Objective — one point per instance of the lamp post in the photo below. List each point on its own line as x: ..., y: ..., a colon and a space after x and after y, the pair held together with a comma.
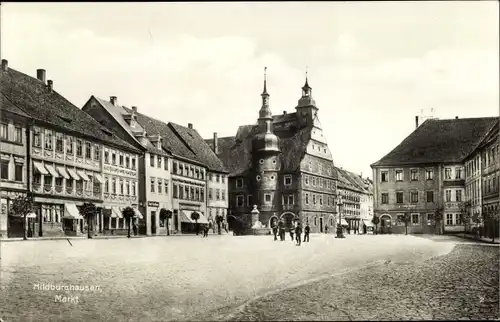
x: 340, y: 231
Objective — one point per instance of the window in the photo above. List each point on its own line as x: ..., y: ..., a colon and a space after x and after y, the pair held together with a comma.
x: 4, y: 131
x: 458, y: 221
x: 239, y: 183
x: 306, y: 179
x: 36, y: 137
x: 113, y: 158
x: 106, y: 184
x: 121, y: 187
x: 288, y: 200
x: 197, y: 193
x: 127, y: 162
x: 272, y: 178
x: 267, y: 197
x: 186, y: 192
x: 239, y: 201
x: 447, y: 173
x: 202, y: 194
x: 307, y: 198
x: 79, y: 148
x: 191, y: 195
x: 429, y: 174
x: 165, y: 164
x: 415, y: 219
x: 160, y: 184
x: 314, y: 181
x: 399, y: 197
x: 113, y: 185
x: 458, y: 173
x: 159, y: 161
x: 4, y: 169
x: 320, y: 200
x: 181, y: 191
x: 133, y: 163
x: 430, y: 196
x: 121, y: 160
x: 166, y: 186
x: 414, y: 196
x: 127, y: 185
x: 97, y: 152
x: 314, y: 199
x: 414, y: 174
x: 48, y: 139
x: 175, y: 192
x: 152, y: 184
x: 385, y: 198
x: 152, y: 160
x: 175, y: 167
x: 261, y: 161
x: 223, y: 194
x: 217, y: 194
x: 217, y: 178
x: 210, y: 193
x: 384, y: 176
x: 399, y: 175
x: 249, y: 200
x: 202, y: 173
x: 88, y: 150
x: 18, y: 134
x: 18, y: 173
x: 106, y: 157
x: 223, y: 178
x: 448, y: 195
x: 288, y: 180
x: 430, y: 218
x: 449, y: 219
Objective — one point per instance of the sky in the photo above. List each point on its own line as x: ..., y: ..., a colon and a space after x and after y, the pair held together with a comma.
x: 372, y: 66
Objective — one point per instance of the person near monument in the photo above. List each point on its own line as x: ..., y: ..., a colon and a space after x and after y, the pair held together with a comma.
x: 307, y: 229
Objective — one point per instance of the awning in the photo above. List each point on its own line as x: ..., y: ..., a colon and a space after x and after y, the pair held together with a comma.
x: 116, y: 212
x: 83, y: 175
x: 73, y: 174
x: 186, y: 217
x: 63, y: 172
x: 138, y: 213
x: 52, y: 171
x: 31, y: 215
x: 98, y: 178
x: 70, y: 211
x: 40, y: 168
x: 344, y: 222
x: 368, y: 223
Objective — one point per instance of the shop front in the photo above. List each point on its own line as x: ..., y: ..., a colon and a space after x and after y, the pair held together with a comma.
x: 188, y: 224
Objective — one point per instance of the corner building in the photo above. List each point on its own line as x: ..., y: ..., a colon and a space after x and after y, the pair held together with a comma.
x: 282, y: 165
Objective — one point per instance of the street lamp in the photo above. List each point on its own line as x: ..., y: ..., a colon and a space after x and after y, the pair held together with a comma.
x: 340, y: 231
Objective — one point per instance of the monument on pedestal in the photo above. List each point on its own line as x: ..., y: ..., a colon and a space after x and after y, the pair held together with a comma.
x: 257, y: 227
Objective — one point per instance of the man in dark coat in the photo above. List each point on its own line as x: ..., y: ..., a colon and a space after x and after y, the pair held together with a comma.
x: 275, y: 231
x: 291, y: 231
x: 326, y: 229
x: 307, y: 229
x: 281, y: 229
x: 298, y: 233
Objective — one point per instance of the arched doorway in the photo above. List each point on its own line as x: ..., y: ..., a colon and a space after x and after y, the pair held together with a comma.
x: 273, y: 222
x: 385, y: 224
x: 288, y: 218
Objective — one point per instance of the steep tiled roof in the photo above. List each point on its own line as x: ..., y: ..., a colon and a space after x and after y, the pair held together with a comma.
x: 8, y: 106
x: 346, y: 180
x: 235, y: 152
x: 32, y: 97
x: 437, y: 141
x: 181, y: 141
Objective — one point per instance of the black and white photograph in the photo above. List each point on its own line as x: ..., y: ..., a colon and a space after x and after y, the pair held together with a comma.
x: 249, y: 161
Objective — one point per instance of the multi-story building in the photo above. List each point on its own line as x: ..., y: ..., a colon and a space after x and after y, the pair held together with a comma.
x: 172, y: 169
x: 13, y: 161
x: 217, y: 199
x: 351, y: 192
x: 64, y: 150
x: 283, y: 166
x: 423, y: 177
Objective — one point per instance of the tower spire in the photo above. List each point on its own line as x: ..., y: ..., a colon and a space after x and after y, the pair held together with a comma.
x: 306, y: 85
x: 265, y: 81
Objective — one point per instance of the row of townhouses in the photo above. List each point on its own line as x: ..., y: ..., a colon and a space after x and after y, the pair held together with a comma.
x: 283, y: 166
x: 62, y: 156
x: 444, y: 177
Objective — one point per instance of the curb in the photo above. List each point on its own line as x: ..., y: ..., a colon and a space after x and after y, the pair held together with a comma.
x: 11, y: 240
x: 496, y: 242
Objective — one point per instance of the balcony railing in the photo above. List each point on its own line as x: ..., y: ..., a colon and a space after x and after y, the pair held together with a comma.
x: 79, y: 192
x: 47, y: 188
x: 97, y: 193
x: 69, y: 190
x: 37, y: 187
x: 288, y: 207
x: 59, y: 189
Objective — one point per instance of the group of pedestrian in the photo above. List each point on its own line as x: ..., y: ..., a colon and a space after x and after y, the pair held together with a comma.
x: 211, y: 225
x: 295, y: 232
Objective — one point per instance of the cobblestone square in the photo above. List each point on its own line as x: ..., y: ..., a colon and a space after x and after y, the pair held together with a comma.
x: 249, y: 278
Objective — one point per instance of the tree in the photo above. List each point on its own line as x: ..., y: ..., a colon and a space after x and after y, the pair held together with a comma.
x: 89, y: 211
x: 195, y: 216
x: 219, y: 219
x: 22, y: 206
x: 128, y: 213
x: 438, y: 218
x: 166, y: 215
x: 406, y: 220
x: 375, y: 221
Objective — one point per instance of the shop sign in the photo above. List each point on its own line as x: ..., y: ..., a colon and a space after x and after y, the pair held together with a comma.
x: 153, y: 204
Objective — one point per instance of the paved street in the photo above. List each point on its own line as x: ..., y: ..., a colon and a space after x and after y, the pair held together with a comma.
x: 158, y: 279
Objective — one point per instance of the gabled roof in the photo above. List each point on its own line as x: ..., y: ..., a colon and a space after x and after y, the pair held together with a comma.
x: 32, y: 97
x: 348, y: 180
x: 492, y: 136
x: 7, y: 106
x: 440, y: 141
x: 181, y: 141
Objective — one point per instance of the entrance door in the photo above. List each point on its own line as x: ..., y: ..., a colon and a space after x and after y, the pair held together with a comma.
x: 153, y: 222
x: 321, y: 224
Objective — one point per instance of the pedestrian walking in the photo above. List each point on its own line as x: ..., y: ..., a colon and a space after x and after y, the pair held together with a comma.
x: 206, y: 228
x: 281, y: 229
x: 275, y: 232
x: 307, y: 229
x: 326, y: 229
x: 349, y: 230
x: 298, y: 234
x: 291, y: 233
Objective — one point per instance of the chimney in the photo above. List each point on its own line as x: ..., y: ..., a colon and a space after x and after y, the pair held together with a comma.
x: 190, y: 125
x: 113, y: 100
x: 284, y: 112
x: 134, y: 109
x: 456, y: 117
x: 50, y: 85
x: 416, y: 121
x: 40, y: 74
x: 5, y: 65
x: 216, y: 143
